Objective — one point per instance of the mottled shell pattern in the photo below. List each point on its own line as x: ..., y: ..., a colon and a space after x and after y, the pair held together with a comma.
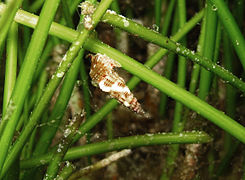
x: 103, y: 75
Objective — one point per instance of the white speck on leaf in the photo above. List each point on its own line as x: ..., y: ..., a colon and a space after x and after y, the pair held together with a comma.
x: 59, y: 75
x: 125, y: 23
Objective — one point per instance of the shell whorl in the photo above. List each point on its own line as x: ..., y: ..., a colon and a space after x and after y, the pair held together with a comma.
x: 103, y: 75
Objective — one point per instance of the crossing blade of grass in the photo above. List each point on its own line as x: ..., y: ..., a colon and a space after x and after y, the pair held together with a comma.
x: 67, y: 14
x: 11, y: 65
x: 68, y: 169
x: 28, y: 148
x: 231, y: 28
x: 167, y: 18
x: 115, y: 6
x: 36, y: 5
x: 178, y: 121
x: 181, y: 79
x: 158, y: 12
x: 122, y: 143
x: 86, y: 95
x: 59, y: 107
x: 10, y: 72
x: 25, y: 76
x: 7, y: 18
x: 230, y: 145
x: 85, y: 86
x: 43, y: 59
x: 170, y: 61
x: 62, y: 148
x: 206, y: 78
x: 196, y: 67
x: 208, y: 51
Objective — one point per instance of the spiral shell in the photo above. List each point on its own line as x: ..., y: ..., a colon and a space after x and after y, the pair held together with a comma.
x: 103, y: 75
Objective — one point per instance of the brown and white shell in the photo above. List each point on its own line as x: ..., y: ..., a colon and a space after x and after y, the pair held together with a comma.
x: 103, y: 75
